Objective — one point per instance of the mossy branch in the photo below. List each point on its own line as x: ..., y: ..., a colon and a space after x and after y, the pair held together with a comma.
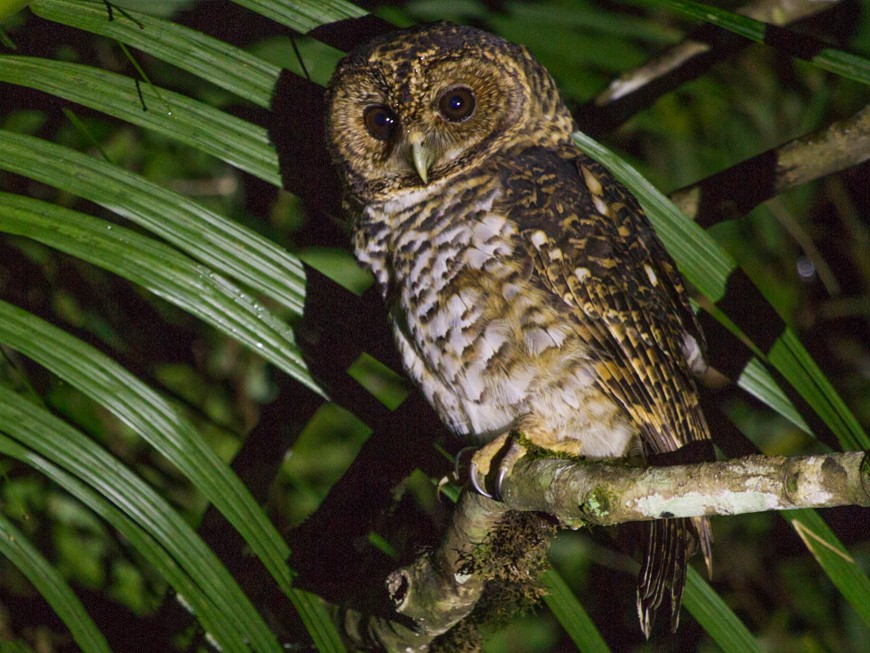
x: 735, y: 191
x: 436, y: 591
x: 602, y: 494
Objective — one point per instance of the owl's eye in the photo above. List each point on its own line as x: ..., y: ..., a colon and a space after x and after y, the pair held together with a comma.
x: 380, y: 122
x: 456, y: 104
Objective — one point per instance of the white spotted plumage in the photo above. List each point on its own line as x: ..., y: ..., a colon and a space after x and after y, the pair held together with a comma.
x: 481, y: 351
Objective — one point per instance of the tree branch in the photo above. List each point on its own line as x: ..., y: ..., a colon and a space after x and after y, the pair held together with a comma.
x: 703, y: 47
x: 601, y: 494
x: 436, y: 591
x: 735, y: 191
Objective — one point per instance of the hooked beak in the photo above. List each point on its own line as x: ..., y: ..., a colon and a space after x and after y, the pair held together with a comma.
x: 421, y: 155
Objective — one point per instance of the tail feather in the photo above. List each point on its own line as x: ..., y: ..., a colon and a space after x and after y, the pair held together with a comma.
x: 670, y: 543
x: 704, y: 533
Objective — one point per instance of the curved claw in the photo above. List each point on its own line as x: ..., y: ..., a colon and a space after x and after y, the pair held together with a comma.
x: 502, y: 452
x: 442, y: 483
x: 472, y: 473
x: 499, y: 479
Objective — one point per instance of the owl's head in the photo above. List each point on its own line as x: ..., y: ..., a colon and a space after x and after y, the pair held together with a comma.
x: 420, y: 105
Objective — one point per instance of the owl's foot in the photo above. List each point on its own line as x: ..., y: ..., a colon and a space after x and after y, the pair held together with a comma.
x: 497, y: 456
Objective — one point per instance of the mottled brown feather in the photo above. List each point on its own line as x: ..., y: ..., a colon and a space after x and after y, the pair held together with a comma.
x: 638, y: 329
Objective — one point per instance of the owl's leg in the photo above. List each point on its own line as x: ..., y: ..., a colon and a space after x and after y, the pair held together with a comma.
x: 497, y: 455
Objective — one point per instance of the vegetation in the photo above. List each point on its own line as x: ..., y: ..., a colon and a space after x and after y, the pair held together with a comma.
x: 183, y: 403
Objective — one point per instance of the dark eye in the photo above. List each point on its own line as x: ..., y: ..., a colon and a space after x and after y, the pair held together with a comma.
x: 457, y: 103
x: 380, y: 122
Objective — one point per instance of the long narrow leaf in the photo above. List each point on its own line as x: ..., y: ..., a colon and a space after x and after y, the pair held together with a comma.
x: 317, y: 620
x: 166, y: 430
x: 790, y: 357
x: 224, y: 246
x: 238, y: 72
x: 229, y: 67
x: 300, y: 15
x: 217, y: 622
x: 160, y: 269
x: 303, y: 15
x: 826, y: 548
x: 572, y: 615
x: 715, y: 617
x: 15, y: 546
x: 67, y: 447
x: 16, y: 647
x: 9, y: 7
x: 213, y: 60
x: 205, y: 128
x: 836, y: 61
x: 143, y: 410
x: 758, y: 382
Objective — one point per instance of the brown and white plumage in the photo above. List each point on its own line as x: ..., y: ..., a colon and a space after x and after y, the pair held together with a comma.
x: 526, y: 289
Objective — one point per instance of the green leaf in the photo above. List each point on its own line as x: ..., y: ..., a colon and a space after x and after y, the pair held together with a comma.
x: 588, y: 20
x: 758, y: 382
x: 10, y: 7
x: 49, y: 583
x: 836, y: 61
x: 162, y: 270
x: 143, y: 410
x: 829, y: 552
x: 317, y: 620
x: 207, y: 56
x: 220, y: 63
x: 303, y: 15
x: 572, y: 615
x: 147, y: 413
x: 69, y: 449
x: 205, y: 128
x: 794, y: 363
x: 223, y: 245
x: 15, y: 647
x: 715, y: 617
x: 229, y: 67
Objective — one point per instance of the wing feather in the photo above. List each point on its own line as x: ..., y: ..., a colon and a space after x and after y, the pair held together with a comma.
x: 611, y: 271
x: 591, y: 246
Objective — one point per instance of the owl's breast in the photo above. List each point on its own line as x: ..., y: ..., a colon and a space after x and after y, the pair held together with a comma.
x: 486, y: 346
x: 451, y: 319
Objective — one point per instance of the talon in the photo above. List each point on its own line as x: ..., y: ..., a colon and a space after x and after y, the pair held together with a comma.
x: 509, y: 456
x: 499, y: 479
x: 463, y: 457
x: 496, y: 457
x: 472, y: 473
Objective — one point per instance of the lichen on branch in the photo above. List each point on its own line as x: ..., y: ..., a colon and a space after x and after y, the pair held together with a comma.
x: 442, y: 587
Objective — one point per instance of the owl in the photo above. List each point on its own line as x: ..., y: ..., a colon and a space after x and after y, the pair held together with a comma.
x: 528, y: 295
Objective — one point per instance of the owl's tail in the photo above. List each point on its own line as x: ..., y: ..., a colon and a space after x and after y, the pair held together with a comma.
x: 671, y: 542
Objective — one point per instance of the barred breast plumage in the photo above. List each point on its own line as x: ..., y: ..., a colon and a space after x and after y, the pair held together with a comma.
x: 527, y: 292
x: 480, y: 339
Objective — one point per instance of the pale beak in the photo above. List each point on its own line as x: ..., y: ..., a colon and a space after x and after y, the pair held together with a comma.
x: 421, y: 155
